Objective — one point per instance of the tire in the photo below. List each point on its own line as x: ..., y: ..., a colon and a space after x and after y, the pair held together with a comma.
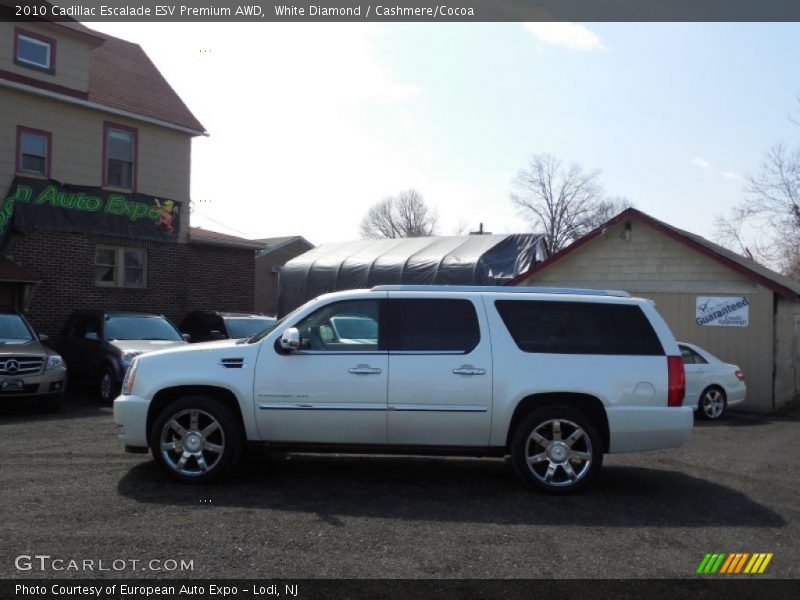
x: 562, y: 468
x: 712, y: 403
x: 51, y: 402
x: 107, y: 386
x: 196, y: 439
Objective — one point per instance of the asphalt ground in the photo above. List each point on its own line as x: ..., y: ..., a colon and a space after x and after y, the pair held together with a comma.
x: 68, y: 491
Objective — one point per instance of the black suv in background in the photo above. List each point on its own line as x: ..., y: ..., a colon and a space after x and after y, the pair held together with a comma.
x: 210, y: 325
x: 98, y: 345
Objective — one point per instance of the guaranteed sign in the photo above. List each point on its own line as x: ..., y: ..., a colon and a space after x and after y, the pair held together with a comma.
x: 722, y: 311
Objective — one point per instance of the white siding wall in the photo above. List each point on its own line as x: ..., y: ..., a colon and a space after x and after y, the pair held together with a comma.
x: 72, y: 57
x: 787, y: 351
x: 164, y: 155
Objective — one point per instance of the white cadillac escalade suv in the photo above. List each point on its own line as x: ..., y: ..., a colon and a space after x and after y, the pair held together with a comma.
x: 555, y: 378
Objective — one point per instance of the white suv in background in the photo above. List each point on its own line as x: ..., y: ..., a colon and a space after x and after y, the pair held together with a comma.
x: 554, y: 377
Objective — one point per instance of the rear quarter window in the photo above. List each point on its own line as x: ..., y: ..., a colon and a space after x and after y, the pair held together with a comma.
x: 579, y: 328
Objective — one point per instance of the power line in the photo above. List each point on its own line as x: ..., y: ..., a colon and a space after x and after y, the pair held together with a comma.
x: 198, y: 213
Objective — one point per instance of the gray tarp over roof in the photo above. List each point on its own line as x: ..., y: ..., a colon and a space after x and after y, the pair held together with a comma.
x: 452, y: 260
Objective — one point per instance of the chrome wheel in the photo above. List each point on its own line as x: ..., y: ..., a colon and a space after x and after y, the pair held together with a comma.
x: 192, y: 442
x: 558, y: 453
x: 712, y: 403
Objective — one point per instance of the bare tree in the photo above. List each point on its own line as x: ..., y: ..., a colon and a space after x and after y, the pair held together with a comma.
x: 770, y: 214
x: 562, y: 202
x: 462, y: 228
x: 401, y: 216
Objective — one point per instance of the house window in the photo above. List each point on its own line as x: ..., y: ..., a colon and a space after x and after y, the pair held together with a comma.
x: 120, y: 267
x: 34, y: 51
x: 33, y: 151
x: 119, y: 151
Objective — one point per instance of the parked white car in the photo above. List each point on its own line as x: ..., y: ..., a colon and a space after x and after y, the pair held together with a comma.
x: 555, y: 378
x: 711, y: 384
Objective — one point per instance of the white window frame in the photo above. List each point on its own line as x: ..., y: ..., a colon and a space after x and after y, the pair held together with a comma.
x: 48, y: 45
x: 119, y: 267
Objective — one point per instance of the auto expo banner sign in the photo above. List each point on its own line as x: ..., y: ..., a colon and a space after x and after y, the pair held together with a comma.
x: 722, y: 311
x: 48, y: 204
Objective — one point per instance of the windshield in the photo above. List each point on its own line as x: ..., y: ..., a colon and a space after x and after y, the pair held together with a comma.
x: 141, y: 328
x: 242, y: 328
x: 13, y: 330
x: 355, y: 328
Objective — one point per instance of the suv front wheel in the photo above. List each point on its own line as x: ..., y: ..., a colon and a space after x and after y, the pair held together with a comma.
x: 196, y: 439
x: 107, y: 385
x: 556, y: 449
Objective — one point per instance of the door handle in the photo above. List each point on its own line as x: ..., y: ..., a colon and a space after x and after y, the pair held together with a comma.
x: 364, y: 370
x: 469, y: 371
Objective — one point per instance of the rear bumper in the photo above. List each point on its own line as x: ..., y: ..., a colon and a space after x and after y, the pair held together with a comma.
x: 130, y: 417
x: 736, y: 394
x: 638, y: 428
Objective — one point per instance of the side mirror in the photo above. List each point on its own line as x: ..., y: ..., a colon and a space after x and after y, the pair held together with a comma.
x: 187, y: 337
x: 92, y: 335
x: 290, y: 339
x: 43, y: 337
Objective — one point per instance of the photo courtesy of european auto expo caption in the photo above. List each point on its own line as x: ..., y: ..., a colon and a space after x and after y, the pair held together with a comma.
x: 151, y: 590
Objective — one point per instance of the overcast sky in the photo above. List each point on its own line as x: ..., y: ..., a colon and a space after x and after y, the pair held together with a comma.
x: 312, y: 123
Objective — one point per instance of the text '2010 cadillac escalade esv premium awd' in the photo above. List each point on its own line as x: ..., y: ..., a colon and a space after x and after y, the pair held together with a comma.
x: 555, y: 378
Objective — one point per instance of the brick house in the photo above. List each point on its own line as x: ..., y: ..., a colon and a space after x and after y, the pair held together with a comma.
x: 95, y: 155
x: 223, y: 269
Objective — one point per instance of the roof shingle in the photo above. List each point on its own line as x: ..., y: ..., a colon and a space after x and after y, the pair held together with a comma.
x: 12, y: 272
x: 122, y: 76
x: 206, y: 236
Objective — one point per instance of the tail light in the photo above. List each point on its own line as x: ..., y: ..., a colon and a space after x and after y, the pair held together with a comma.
x: 677, y: 381
x: 739, y: 374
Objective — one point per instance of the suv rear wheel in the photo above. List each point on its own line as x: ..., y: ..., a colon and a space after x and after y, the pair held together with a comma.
x: 556, y: 449
x: 196, y: 439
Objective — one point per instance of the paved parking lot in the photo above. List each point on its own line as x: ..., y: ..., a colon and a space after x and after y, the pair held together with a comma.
x: 67, y: 490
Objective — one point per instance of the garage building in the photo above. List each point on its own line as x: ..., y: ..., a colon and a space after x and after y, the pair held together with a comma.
x: 738, y: 310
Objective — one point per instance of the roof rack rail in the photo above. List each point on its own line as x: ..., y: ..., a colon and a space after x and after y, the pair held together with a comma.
x: 514, y: 289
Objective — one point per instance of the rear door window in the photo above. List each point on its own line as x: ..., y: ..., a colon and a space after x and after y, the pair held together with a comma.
x: 433, y: 325
x: 579, y: 328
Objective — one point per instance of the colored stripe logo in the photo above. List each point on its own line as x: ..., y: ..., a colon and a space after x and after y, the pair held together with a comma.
x: 737, y: 562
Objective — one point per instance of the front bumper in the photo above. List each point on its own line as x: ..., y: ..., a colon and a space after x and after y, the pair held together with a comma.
x: 46, y: 383
x: 638, y: 428
x: 130, y: 417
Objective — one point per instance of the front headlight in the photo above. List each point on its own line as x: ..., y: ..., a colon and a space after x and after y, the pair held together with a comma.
x: 54, y: 361
x: 127, y: 357
x: 130, y: 377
